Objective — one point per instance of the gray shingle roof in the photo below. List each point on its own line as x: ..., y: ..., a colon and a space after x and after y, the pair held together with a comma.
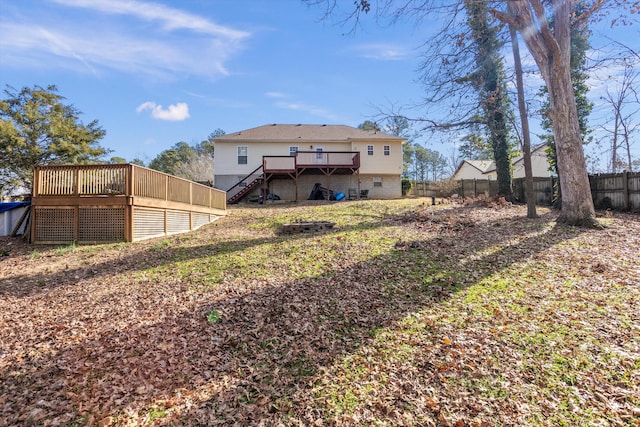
x: 285, y: 132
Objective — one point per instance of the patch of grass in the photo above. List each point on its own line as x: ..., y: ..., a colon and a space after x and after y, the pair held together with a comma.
x: 62, y: 250
x: 155, y: 414
x: 309, y: 256
x: 163, y: 244
x: 214, y: 316
x: 301, y: 367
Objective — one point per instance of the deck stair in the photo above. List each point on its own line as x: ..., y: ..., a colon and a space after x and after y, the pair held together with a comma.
x: 239, y: 195
x: 246, y: 190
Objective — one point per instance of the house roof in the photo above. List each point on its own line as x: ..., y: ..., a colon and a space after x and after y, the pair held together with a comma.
x: 533, y: 150
x: 305, y: 132
x: 483, y: 166
x: 488, y: 166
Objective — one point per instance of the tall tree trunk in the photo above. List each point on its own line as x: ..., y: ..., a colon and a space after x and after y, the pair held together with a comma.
x: 526, y: 136
x: 551, y: 51
x: 626, y: 140
x: 614, y: 147
x: 489, y: 81
x: 577, y: 202
x: 501, y: 153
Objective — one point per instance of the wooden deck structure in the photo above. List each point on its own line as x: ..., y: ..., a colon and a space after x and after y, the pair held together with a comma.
x: 325, y: 163
x: 116, y: 203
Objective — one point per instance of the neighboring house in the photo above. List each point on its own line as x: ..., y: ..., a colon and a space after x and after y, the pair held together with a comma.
x: 486, y: 169
x: 476, y: 169
x: 290, y: 160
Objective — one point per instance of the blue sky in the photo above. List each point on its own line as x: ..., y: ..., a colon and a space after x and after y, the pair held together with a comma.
x: 154, y: 73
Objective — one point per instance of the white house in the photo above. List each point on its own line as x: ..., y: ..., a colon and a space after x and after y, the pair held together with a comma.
x: 476, y: 169
x: 291, y: 160
x: 486, y: 169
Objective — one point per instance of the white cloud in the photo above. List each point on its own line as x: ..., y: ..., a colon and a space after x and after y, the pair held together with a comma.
x: 172, y: 19
x: 176, y: 112
x: 133, y: 37
x: 307, y: 108
x: 286, y: 102
x: 384, y: 51
x: 275, y: 95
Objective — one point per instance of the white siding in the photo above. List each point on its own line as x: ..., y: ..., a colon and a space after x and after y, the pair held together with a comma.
x: 539, y: 165
x: 379, y: 163
x: 467, y: 171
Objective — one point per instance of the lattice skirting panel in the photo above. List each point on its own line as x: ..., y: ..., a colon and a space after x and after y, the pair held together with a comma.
x: 101, y: 225
x: 66, y: 225
x: 54, y: 225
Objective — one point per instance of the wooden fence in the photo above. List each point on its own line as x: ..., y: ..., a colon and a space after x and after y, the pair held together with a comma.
x: 619, y: 191
x: 110, y: 203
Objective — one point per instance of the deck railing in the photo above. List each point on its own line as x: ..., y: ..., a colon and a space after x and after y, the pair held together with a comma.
x: 348, y: 159
x: 79, y: 181
x: 279, y: 163
x: 312, y: 159
x: 122, y: 180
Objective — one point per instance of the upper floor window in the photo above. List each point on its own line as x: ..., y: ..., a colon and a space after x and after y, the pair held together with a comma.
x: 293, y: 151
x: 242, y: 155
x: 387, y: 150
x: 370, y: 150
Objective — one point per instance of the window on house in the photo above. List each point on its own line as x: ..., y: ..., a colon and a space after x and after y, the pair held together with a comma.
x: 293, y: 151
x: 377, y: 181
x: 242, y: 155
x: 370, y: 150
x: 387, y: 150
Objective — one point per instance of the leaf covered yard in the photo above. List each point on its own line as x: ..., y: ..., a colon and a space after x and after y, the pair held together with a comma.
x: 402, y: 314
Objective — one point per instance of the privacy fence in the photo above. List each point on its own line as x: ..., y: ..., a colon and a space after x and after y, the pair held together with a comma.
x: 113, y: 203
x: 619, y: 191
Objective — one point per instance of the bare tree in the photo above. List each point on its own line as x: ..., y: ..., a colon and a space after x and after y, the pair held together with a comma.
x: 524, y: 120
x: 625, y: 106
x: 454, y: 158
x: 198, y: 167
x: 550, y: 48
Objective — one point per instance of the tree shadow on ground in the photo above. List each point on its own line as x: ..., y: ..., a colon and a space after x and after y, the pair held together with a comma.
x: 161, y: 251
x: 166, y: 250
x: 255, y: 364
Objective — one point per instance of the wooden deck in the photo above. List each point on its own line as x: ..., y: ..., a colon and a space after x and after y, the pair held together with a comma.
x: 292, y: 167
x: 111, y: 203
x: 320, y: 162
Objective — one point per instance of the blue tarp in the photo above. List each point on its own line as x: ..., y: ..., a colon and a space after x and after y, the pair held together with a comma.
x: 7, y: 206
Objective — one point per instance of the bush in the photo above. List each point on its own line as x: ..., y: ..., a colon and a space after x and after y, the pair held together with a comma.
x: 406, y: 186
x: 447, y: 187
